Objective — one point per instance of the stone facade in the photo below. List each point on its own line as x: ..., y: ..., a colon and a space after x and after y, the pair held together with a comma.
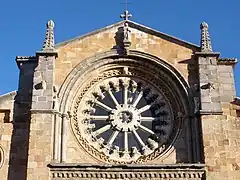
x: 43, y: 129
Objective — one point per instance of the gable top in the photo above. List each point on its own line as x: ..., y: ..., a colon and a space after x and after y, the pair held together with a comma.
x: 8, y: 96
x: 138, y: 27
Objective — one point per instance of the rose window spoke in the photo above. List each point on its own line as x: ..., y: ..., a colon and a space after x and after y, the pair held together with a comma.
x: 112, y: 138
x: 138, y: 138
x: 113, y: 98
x: 143, y: 109
x: 138, y: 99
x: 125, y: 141
x: 101, y: 130
x: 98, y: 117
x: 146, y: 129
x: 148, y: 118
x: 102, y: 105
x: 125, y: 95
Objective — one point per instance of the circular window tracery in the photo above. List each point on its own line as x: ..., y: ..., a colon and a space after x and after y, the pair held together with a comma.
x: 90, y: 83
x: 126, y: 118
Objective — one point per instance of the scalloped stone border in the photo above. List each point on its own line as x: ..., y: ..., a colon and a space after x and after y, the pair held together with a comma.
x: 153, y: 172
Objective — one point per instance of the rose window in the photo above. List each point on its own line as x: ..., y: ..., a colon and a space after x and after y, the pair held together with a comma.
x: 125, y: 118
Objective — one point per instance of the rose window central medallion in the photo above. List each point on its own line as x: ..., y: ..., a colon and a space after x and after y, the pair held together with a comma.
x: 125, y: 118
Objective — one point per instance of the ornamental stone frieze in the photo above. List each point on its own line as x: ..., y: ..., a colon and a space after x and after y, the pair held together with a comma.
x: 136, y: 172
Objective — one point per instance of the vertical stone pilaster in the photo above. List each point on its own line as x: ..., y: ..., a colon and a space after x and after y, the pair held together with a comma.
x: 40, y: 145
x: 44, y: 77
x: 210, y: 101
x: 43, y: 81
x: 55, y: 134
x: 227, y: 88
x: 63, y: 157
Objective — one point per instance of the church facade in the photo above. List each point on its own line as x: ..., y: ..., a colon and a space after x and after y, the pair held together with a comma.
x: 122, y: 102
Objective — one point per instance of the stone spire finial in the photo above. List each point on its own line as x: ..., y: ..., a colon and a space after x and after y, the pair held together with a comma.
x: 49, y: 39
x: 206, y: 45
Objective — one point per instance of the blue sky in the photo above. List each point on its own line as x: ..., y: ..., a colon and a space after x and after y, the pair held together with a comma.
x: 23, y: 25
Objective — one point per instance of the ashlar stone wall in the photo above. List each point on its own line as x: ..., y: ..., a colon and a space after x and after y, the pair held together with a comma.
x: 6, y: 129
x: 73, y: 52
x: 221, y: 132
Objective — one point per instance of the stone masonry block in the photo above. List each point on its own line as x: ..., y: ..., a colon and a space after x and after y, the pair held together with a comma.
x: 42, y: 98
x: 42, y: 105
x: 37, y: 92
x: 202, y: 60
x: 212, y: 67
x: 206, y: 99
x: 212, y: 60
x: 216, y: 99
x: 225, y: 74
x: 211, y: 106
x: 227, y: 98
x: 225, y: 69
x: 226, y: 80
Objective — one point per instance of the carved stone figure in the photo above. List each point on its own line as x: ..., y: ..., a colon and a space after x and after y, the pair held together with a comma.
x: 126, y: 33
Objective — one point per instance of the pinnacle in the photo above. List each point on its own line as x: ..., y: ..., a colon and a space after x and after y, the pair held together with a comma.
x: 50, y: 24
x: 206, y: 45
x: 204, y: 25
x: 49, y: 37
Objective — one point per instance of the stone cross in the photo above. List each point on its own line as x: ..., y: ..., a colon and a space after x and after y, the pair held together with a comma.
x: 126, y: 16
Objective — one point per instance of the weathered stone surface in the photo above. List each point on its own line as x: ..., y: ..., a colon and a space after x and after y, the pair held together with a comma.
x: 72, y: 53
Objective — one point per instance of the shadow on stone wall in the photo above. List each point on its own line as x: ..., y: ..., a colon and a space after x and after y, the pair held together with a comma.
x: 194, y: 122
x: 119, y: 41
x: 18, y: 156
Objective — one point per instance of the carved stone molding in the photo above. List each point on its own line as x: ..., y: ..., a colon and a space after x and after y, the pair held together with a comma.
x: 150, y: 172
x: 177, y: 107
x: 110, y: 64
x: 1, y: 156
x: 227, y: 61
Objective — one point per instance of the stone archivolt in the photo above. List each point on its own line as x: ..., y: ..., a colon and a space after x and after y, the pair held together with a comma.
x: 1, y: 156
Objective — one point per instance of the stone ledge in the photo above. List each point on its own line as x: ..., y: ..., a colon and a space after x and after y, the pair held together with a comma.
x: 49, y: 52
x: 210, y: 112
x: 24, y: 59
x: 154, y: 172
x: 211, y: 54
x: 227, y: 61
x: 44, y: 111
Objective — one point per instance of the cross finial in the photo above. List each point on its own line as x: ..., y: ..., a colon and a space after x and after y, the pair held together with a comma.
x: 126, y: 16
